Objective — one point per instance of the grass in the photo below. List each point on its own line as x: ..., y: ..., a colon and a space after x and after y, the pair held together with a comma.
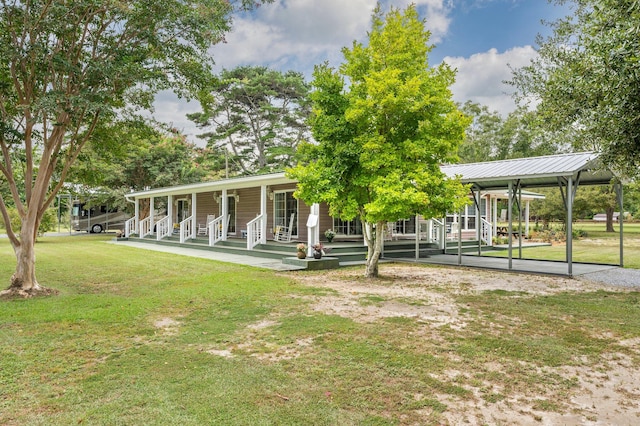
x: 95, y: 354
x: 597, y: 247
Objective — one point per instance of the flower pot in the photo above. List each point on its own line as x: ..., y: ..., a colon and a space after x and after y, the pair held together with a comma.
x: 317, y: 254
x: 302, y: 255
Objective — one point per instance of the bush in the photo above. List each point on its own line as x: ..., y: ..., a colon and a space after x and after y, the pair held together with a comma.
x: 48, y: 223
x: 579, y: 233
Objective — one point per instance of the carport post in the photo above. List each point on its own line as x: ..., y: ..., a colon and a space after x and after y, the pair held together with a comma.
x: 510, y: 226
x: 569, y: 227
x: 519, y: 221
x: 417, y: 225
x: 618, y: 188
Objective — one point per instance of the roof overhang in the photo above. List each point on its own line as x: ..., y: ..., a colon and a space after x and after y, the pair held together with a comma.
x: 218, y: 185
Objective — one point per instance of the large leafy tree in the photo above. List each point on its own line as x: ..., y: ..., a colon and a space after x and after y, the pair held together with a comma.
x: 68, y: 66
x: 382, y: 137
x: 519, y: 135
x: 587, y: 77
x: 152, y: 157
x: 259, y: 114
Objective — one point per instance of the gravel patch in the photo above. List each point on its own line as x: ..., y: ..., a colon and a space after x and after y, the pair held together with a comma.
x: 618, y: 276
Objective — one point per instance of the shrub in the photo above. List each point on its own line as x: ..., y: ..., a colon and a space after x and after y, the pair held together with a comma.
x: 48, y: 223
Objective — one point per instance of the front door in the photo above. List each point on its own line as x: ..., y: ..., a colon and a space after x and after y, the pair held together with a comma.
x: 284, y: 206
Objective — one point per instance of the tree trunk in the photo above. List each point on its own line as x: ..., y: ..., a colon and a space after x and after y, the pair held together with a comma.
x: 23, y: 281
x: 374, y: 236
x: 609, y: 211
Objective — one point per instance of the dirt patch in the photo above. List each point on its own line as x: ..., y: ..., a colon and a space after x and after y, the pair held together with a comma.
x: 167, y: 325
x: 424, y: 293
x: 605, y: 394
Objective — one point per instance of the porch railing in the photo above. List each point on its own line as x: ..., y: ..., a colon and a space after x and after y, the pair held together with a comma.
x: 216, y: 233
x: 145, y: 227
x: 186, y: 230
x: 130, y: 227
x: 254, y: 232
x: 486, y: 232
x: 162, y: 228
x: 438, y: 232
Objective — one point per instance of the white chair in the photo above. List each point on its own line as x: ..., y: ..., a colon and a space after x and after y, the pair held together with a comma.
x: 283, y: 233
x: 203, y: 229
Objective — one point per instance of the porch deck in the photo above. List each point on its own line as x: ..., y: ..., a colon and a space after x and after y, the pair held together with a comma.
x: 347, y: 252
x: 270, y: 255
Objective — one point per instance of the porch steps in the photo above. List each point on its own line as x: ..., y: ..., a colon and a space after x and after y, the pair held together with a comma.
x: 229, y: 246
x: 468, y: 246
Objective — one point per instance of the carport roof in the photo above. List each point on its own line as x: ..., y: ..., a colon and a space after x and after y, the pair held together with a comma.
x: 533, y: 172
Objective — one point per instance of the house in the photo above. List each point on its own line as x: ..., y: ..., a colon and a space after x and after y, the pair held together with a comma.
x: 261, y: 208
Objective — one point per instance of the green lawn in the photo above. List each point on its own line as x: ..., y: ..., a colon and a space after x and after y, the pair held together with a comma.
x: 597, y: 247
x: 139, y: 337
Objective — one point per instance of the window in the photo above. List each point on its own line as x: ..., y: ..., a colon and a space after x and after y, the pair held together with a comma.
x: 284, y: 205
x: 347, y: 227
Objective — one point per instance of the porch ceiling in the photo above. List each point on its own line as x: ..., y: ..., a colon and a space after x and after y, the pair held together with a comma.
x: 535, y: 172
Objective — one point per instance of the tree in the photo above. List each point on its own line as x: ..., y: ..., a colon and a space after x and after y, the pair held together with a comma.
x: 491, y: 137
x: 588, y: 201
x: 587, y: 77
x: 66, y: 67
x: 259, y: 114
x: 153, y: 158
x: 382, y: 138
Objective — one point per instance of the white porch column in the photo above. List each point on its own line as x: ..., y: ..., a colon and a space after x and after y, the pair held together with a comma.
x: 194, y: 211
x: 152, y: 215
x: 170, y: 212
x: 136, y: 214
x: 313, y: 228
x: 263, y: 213
x: 225, y: 214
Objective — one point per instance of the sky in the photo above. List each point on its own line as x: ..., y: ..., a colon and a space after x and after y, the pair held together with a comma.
x: 482, y: 39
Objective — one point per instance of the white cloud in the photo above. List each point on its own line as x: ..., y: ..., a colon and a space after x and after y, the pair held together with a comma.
x: 481, y: 77
x: 435, y: 12
x: 303, y: 33
x: 296, y: 35
x: 300, y: 32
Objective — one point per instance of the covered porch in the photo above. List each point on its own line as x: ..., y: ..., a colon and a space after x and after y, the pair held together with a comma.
x: 253, y: 209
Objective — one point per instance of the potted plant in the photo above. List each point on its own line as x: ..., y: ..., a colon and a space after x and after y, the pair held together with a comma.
x: 301, y: 250
x: 317, y: 251
x: 329, y: 234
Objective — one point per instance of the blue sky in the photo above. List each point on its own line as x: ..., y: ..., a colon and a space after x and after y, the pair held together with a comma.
x: 480, y: 38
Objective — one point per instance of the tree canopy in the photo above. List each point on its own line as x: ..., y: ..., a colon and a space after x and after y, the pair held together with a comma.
x: 66, y: 67
x: 521, y: 134
x: 259, y: 114
x: 587, y: 77
x: 384, y: 122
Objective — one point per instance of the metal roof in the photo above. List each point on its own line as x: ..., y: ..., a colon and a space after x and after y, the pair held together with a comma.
x: 532, y: 172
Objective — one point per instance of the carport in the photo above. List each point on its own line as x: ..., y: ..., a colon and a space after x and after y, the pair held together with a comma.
x: 565, y: 171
